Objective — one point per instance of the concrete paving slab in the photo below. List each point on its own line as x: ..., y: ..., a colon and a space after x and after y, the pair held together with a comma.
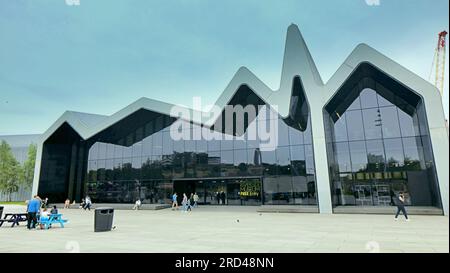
x: 231, y: 229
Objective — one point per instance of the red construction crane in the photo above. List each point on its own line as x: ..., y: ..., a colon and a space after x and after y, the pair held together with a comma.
x: 439, y: 62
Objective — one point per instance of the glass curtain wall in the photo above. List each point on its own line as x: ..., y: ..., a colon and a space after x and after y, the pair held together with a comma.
x: 147, y: 168
x: 379, y: 146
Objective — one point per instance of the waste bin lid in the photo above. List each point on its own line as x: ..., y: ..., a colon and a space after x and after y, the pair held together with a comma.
x: 104, y: 208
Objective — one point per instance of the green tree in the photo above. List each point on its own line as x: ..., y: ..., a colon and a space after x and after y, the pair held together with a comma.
x: 10, y: 170
x: 28, y: 167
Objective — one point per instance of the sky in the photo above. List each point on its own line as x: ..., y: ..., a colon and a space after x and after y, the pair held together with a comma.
x: 101, y: 55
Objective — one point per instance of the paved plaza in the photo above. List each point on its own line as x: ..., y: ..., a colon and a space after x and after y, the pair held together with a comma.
x: 231, y: 229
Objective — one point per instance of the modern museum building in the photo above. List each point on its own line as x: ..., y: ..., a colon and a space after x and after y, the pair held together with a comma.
x: 375, y: 129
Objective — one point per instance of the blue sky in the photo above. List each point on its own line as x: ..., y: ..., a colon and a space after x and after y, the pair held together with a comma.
x: 102, y: 55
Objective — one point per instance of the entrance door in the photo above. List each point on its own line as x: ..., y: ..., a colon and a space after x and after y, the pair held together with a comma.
x: 182, y: 186
x: 214, y: 189
x: 245, y: 192
x: 206, y: 190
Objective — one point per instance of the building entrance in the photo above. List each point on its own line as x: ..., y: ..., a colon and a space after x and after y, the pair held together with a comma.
x: 239, y: 191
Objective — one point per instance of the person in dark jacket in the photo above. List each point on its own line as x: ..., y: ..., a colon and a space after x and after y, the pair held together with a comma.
x: 218, y: 198
x: 223, y: 197
x: 401, y: 206
x: 54, y: 210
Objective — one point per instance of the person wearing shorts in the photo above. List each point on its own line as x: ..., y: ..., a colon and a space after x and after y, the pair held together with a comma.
x: 174, y: 201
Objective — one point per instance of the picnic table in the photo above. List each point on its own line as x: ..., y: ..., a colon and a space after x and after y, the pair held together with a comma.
x: 14, y: 218
x: 52, y: 219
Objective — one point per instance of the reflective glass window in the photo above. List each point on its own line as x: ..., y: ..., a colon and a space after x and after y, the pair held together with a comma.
x: 201, y: 145
x: 157, y: 143
x: 295, y: 136
x: 102, y: 150
x: 283, y: 161
x: 394, y: 153
x: 414, y: 157
x: 358, y: 156
x: 406, y: 124
x: 269, y: 162
x: 215, y: 140
x: 227, y: 143
x: 283, y: 133
x: 389, y: 121
x: 147, y: 146
x: 343, y: 156
x: 167, y: 143
x: 340, y: 129
x: 128, y: 151
x: 137, y: 149
x: 93, y: 152
x: 355, y: 125
x: 382, y: 101
x: 309, y: 156
x: 240, y: 161
x: 118, y: 151
x: 240, y: 142
x: 356, y: 105
x: 372, y: 123
x: 189, y: 145
x: 375, y: 155
x: 368, y: 98
x: 307, y: 134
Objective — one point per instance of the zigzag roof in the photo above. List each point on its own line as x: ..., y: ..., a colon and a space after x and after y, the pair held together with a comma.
x: 297, y: 62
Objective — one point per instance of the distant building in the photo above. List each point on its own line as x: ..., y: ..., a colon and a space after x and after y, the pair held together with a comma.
x: 19, y: 147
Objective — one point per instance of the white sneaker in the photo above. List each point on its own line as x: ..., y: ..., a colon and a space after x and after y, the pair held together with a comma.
x: 407, y: 220
x: 396, y: 219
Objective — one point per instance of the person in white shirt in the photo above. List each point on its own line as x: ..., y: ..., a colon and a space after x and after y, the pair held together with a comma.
x: 43, y: 216
x: 184, y: 203
x: 88, y: 203
x: 137, y: 205
x: 196, y: 198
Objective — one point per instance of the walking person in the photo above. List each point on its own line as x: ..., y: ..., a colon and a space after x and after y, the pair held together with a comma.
x: 174, y: 201
x: 401, y: 206
x: 88, y: 203
x: 195, y: 200
x: 218, y: 198
x: 223, y: 197
x: 33, y: 208
x: 184, y: 202
x: 190, y: 202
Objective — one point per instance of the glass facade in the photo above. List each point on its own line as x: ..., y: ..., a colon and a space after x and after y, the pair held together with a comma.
x: 378, y: 146
x: 152, y: 165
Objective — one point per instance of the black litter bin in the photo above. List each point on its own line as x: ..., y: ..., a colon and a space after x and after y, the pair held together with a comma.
x: 103, y: 219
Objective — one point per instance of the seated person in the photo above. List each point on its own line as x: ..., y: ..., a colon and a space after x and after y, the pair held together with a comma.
x: 67, y: 204
x: 54, y: 210
x: 137, y: 205
x: 44, y: 216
